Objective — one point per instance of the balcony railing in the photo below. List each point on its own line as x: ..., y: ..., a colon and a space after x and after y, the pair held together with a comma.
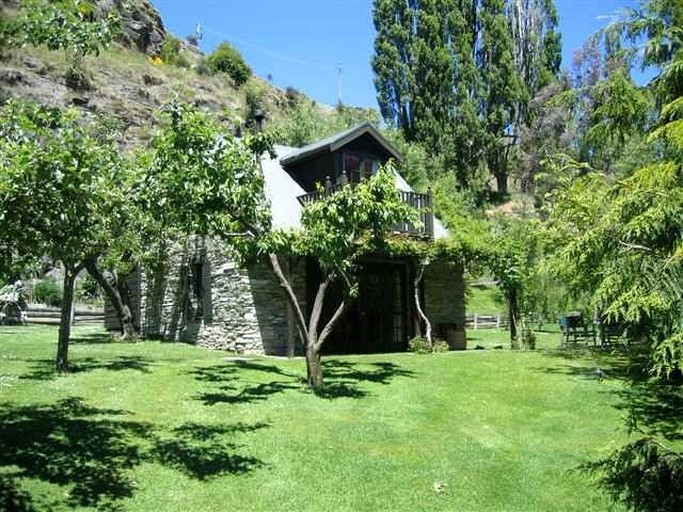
x: 421, y: 202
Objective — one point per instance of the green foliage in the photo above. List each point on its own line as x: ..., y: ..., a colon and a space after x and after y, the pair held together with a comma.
x: 457, y: 76
x: 353, y: 221
x: 420, y: 345
x: 171, y: 52
x: 440, y: 346
x: 302, y: 125
x: 202, y: 67
x: 68, y: 25
x: 307, y: 122
x: 513, y: 260
x: 226, y: 59
x: 199, y: 179
x: 418, y: 166
x: 621, y: 242
x: 61, y: 182
x: 48, y: 292
x: 644, y: 475
x: 64, y: 192
x: 87, y: 289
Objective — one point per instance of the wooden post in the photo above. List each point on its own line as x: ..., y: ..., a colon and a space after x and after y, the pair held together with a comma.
x: 498, y: 321
x: 291, y: 327
x: 475, y: 322
x: 429, y: 224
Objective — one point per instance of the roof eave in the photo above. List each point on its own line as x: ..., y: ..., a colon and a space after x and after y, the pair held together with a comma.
x: 337, y: 143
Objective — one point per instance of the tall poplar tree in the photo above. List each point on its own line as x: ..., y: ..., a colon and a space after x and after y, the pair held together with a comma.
x: 456, y: 75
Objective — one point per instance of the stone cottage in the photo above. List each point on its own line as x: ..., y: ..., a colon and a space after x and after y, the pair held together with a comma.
x: 200, y: 295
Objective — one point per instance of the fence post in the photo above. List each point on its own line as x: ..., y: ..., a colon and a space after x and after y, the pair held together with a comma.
x: 475, y: 322
x: 498, y: 321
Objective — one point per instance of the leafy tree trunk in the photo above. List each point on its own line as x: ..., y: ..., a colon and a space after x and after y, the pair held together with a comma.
x: 501, y: 182
x: 118, y: 293
x: 314, y: 369
x: 418, y: 306
x: 314, y: 340
x: 62, y: 362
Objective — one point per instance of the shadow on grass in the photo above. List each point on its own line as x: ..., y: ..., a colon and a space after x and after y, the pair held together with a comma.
x: 644, y: 474
x: 12, y: 497
x: 654, y: 409
x: 343, y: 379
x: 94, y: 338
x: 44, y: 369
x: 202, y: 452
x: 232, y: 389
x: 622, y: 363
x: 89, y: 452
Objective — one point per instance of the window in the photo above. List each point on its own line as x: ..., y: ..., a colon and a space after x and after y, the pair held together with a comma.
x: 358, y: 167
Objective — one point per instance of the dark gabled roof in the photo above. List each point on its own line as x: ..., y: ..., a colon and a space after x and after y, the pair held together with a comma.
x: 339, y: 140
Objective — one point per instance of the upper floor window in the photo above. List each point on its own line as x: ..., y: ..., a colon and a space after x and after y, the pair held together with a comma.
x: 358, y: 167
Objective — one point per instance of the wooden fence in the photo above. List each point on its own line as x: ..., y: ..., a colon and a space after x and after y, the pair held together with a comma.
x: 477, y: 321
x: 44, y: 315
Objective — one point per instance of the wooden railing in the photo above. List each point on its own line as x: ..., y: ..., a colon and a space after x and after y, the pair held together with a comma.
x: 421, y: 202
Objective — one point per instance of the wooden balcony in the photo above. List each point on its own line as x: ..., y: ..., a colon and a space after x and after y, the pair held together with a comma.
x: 421, y: 202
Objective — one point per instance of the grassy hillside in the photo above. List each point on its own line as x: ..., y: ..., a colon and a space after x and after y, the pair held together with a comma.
x: 128, y: 86
x: 485, y: 300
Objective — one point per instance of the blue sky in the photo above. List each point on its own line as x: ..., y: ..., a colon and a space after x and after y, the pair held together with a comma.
x: 302, y: 43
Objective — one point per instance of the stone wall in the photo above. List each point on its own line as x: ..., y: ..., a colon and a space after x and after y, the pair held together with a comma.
x: 444, y: 295
x: 243, y: 309
x: 236, y: 308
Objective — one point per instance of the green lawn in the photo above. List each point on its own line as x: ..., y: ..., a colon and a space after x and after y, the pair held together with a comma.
x: 549, y: 338
x: 164, y: 426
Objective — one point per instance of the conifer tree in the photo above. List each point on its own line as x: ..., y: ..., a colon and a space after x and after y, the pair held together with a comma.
x: 456, y: 75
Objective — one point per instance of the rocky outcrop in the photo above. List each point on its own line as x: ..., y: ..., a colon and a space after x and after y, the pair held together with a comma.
x: 142, y: 27
x: 124, y: 83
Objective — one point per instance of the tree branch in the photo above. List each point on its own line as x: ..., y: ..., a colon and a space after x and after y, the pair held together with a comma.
x: 418, y: 306
x: 331, y: 324
x: 289, y: 293
x: 636, y: 247
x: 318, y: 304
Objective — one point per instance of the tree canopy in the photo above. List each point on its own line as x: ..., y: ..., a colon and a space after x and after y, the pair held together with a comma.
x: 457, y: 76
x: 63, y: 188
x: 336, y: 232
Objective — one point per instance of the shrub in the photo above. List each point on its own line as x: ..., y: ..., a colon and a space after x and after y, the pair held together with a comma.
x: 87, y: 289
x: 419, y: 345
x: 170, y: 52
x: 48, y: 292
x: 255, y: 95
x: 440, y: 346
x: 202, y: 67
x: 293, y: 96
x: 644, y: 475
x: 226, y: 59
